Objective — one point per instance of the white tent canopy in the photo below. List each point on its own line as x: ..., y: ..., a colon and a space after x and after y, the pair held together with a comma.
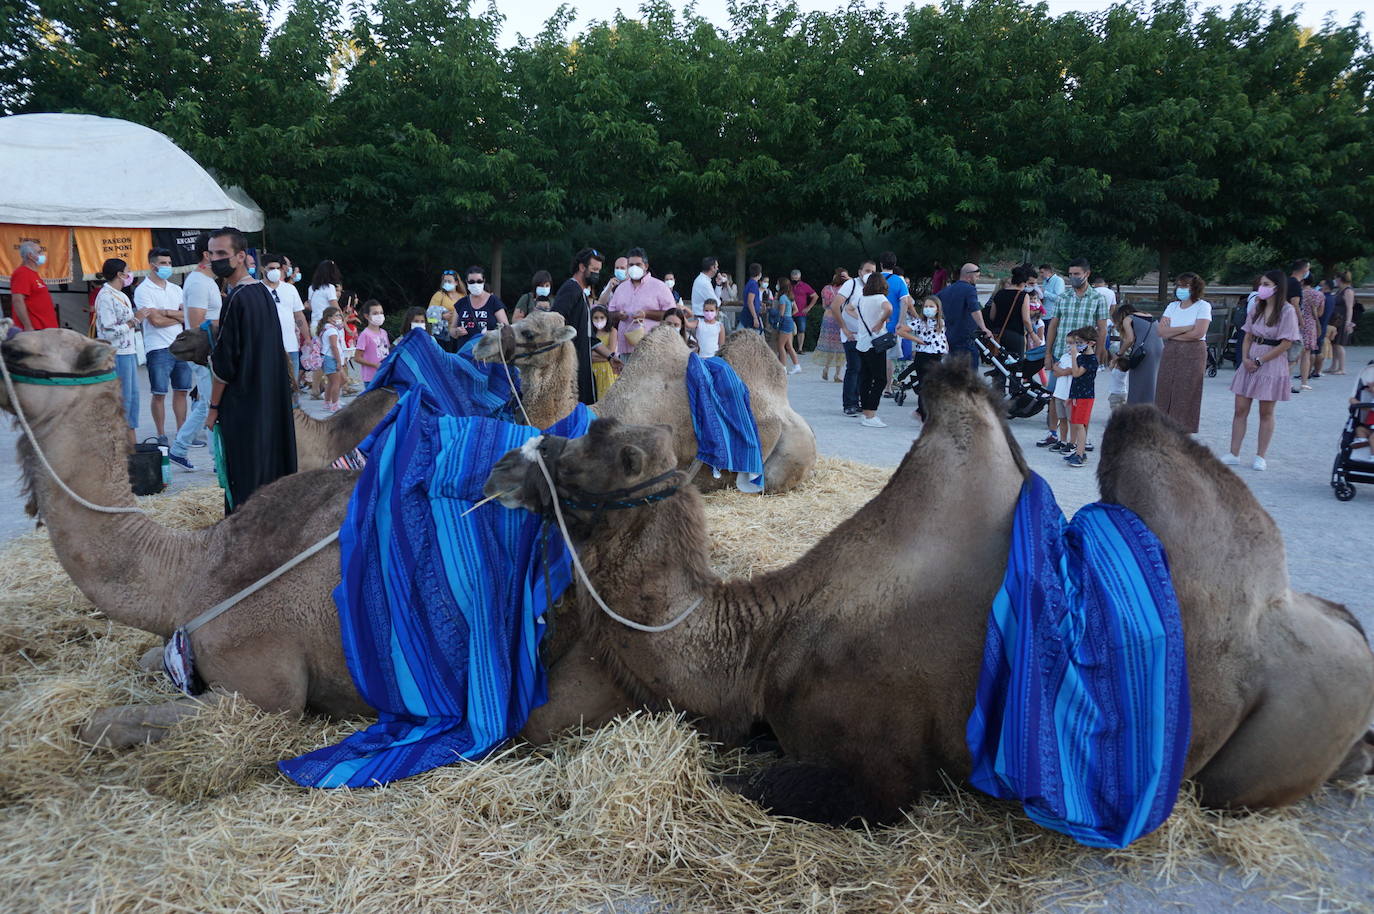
x: 78, y: 169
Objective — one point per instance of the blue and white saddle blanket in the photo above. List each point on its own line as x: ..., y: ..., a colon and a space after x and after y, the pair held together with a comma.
x: 723, y: 419
x: 1082, y: 711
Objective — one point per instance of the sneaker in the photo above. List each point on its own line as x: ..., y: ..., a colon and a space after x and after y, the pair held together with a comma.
x: 1230, y: 459
x: 1314, y: 375
x: 162, y: 441
x: 873, y: 422
x: 200, y: 442
x: 795, y: 369
x: 1076, y: 462
x: 1296, y: 389
x: 851, y: 413
x: 1259, y: 464
x: 181, y: 462
x: 1049, y: 440
x: 1061, y: 447
x: 1088, y: 446
x: 1307, y: 387
x: 888, y: 394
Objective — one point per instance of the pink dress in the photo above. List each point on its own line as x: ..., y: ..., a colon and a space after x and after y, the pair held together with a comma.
x: 373, y: 346
x: 1313, y: 304
x: 1270, y: 381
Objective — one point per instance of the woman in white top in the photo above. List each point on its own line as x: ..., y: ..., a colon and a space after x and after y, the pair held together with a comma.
x: 116, y: 322
x: 866, y: 318
x: 324, y: 290
x: 1183, y: 328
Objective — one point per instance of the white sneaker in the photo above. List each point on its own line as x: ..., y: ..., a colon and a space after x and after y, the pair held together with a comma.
x: 1230, y: 459
x: 874, y: 422
x: 795, y: 369
x: 1259, y: 464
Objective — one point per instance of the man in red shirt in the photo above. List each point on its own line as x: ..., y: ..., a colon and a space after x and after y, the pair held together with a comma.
x: 803, y: 297
x: 32, y: 305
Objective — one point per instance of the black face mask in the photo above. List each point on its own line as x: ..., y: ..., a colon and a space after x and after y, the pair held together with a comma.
x: 223, y: 268
x: 593, y: 275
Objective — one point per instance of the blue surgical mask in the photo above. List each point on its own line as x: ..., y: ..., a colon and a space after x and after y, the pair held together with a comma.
x: 620, y: 274
x: 252, y: 271
x: 1183, y: 294
x: 164, y: 272
x: 42, y: 259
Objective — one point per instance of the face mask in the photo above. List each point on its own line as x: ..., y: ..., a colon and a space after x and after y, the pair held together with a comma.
x: 337, y: 322
x: 274, y: 276
x: 1307, y: 274
x: 1031, y: 288
x: 296, y: 277
x: 476, y: 288
x: 620, y: 274
x: 636, y: 272
x: 449, y: 287
x: 252, y: 271
x: 163, y: 272
x: 376, y: 320
x: 765, y: 283
x: 42, y: 259
x: 1077, y: 281
x: 593, y: 276
x: 223, y: 268
x: 542, y: 291
x: 670, y: 282
x: 928, y: 312
x: 1265, y: 292
x: 599, y: 324
x: 419, y: 326
x: 1183, y: 294
x: 710, y: 317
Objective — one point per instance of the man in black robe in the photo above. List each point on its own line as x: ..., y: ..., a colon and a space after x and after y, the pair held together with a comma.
x: 571, y: 302
x: 251, y: 393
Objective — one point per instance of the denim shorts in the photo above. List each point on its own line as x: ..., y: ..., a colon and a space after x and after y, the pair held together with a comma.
x: 126, y: 367
x: 163, y: 366
x: 330, y: 365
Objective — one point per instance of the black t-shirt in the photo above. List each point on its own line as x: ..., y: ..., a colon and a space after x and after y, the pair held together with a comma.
x: 1002, y: 301
x: 1294, y: 289
x: 478, y: 320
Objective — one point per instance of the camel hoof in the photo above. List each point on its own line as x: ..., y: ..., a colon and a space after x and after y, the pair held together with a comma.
x: 151, y: 661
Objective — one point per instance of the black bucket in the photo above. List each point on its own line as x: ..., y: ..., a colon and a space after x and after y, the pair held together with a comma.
x: 145, y: 468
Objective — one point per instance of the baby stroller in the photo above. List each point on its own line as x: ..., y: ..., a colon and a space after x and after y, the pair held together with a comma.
x: 1355, y: 464
x: 1212, y: 362
x: 1016, y: 376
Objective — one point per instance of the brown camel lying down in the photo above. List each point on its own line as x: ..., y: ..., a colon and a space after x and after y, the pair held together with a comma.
x: 319, y: 442
x: 652, y: 389
x: 863, y: 658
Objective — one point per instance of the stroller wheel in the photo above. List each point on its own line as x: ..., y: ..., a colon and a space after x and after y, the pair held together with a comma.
x: 1211, y: 371
x: 899, y: 396
x: 1344, y: 491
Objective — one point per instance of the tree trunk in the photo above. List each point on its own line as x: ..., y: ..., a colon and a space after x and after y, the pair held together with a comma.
x: 498, y: 248
x: 741, y: 257
x: 1163, y: 274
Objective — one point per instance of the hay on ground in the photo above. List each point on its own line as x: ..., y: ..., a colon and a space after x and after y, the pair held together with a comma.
x: 201, y: 821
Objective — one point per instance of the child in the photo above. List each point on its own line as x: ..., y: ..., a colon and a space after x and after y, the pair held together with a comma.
x: 603, y: 373
x: 414, y: 319
x: 1365, y: 422
x: 373, y: 345
x: 1081, y: 373
x: 929, y: 344
x: 330, y: 332
x: 710, y: 331
x: 780, y: 314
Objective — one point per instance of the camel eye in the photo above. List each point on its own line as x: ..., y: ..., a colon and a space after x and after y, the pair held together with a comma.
x: 529, y: 334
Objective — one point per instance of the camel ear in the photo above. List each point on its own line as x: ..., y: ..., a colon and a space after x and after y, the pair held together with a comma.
x: 97, y: 355
x: 631, y: 461
x: 564, y: 334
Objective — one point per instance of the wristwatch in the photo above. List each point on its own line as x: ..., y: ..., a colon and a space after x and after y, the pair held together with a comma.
x: 1258, y: 363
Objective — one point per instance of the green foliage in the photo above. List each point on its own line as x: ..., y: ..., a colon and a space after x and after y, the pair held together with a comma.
x: 397, y: 137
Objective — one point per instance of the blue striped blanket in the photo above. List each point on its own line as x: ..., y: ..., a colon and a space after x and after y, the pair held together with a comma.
x: 1082, y: 711
x: 441, y: 614
x: 457, y: 384
x: 727, y: 435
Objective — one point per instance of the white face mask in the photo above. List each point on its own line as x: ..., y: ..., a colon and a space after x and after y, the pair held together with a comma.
x: 928, y: 311
x: 376, y: 319
x: 670, y: 282
x: 417, y: 326
x: 599, y: 324
x: 765, y: 283
x: 636, y: 272
x: 337, y: 322
x: 449, y: 287
x: 541, y: 290
x: 476, y: 288
x: 274, y: 276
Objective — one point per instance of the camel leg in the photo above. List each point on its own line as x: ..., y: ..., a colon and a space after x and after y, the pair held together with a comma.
x: 151, y: 661
x: 134, y: 725
x: 792, y: 457
x: 1317, y: 699
x: 581, y: 694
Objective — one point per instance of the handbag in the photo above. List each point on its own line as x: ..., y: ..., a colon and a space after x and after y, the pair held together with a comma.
x: 636, y: 333
x: 881, y: 343
x: 1136, y: 354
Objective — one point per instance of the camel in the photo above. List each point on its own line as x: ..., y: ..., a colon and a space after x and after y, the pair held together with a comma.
x: 863, y: 657
x: 280, y: 648
x: 319, y: 442
x: 651, y: 389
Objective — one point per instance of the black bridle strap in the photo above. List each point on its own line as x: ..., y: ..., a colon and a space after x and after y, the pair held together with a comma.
x: 616, y: 499
x: 533, y: 352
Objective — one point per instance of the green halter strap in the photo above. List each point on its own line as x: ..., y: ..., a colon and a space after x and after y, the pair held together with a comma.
x: 58, y: 379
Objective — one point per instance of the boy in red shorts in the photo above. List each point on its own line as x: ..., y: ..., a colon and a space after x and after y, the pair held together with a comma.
x: 1082, y: 391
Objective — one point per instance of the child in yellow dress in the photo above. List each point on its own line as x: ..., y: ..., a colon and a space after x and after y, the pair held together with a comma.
x: 602, y: 372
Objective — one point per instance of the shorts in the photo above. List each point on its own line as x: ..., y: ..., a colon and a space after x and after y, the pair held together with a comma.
x: 295, y: 358
x: 164, y: 367
x: 1080, y: 411
x: 785, y: 324
x: 330, y: 365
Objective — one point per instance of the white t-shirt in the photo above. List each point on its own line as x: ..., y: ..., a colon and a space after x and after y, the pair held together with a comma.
x: 327, y: 342
x: 1108, y: 293
x: 702, y: 289
x: 200, y: 291
x: 850, y: 292
x: 320, y: 299
x: 1179, y: 317
x: 288, y: 306
x: 708, y: 337
x: 168, y: 298
x: 1063, y: 383
x: 871, y: 307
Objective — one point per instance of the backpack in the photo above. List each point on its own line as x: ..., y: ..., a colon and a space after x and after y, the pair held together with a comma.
x: 312, y: 358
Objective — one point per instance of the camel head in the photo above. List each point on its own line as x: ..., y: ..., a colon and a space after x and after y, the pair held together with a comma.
x: 961, y: 407
x: 522, y: 341
x: 613, y: 465
x: 48, y: 355
x: 192, y: 346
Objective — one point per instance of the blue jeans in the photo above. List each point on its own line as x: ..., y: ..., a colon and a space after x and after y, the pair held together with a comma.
x: 194, y: 426
x: 850, y: 396
x: 162, y: 367
x: 126, y: 366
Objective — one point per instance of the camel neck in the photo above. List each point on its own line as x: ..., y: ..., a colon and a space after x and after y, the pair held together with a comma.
x: 133, y: 569
x: 549, y: 390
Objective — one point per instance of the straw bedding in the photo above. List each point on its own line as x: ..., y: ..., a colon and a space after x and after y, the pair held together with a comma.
x: 201, y: 821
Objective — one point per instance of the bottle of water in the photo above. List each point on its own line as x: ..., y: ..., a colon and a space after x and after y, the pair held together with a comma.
x: 166, y: 467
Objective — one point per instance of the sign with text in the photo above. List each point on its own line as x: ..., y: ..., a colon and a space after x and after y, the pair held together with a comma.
x: 96, y: 245
x: 182, y: 244
x: 56, y: 241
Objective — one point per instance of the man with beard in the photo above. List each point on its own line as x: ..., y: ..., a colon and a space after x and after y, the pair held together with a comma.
x: 571, y: 302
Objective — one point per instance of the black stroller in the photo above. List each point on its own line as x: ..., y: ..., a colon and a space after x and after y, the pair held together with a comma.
x: 1025, y: 396
x: 1354, y: 464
